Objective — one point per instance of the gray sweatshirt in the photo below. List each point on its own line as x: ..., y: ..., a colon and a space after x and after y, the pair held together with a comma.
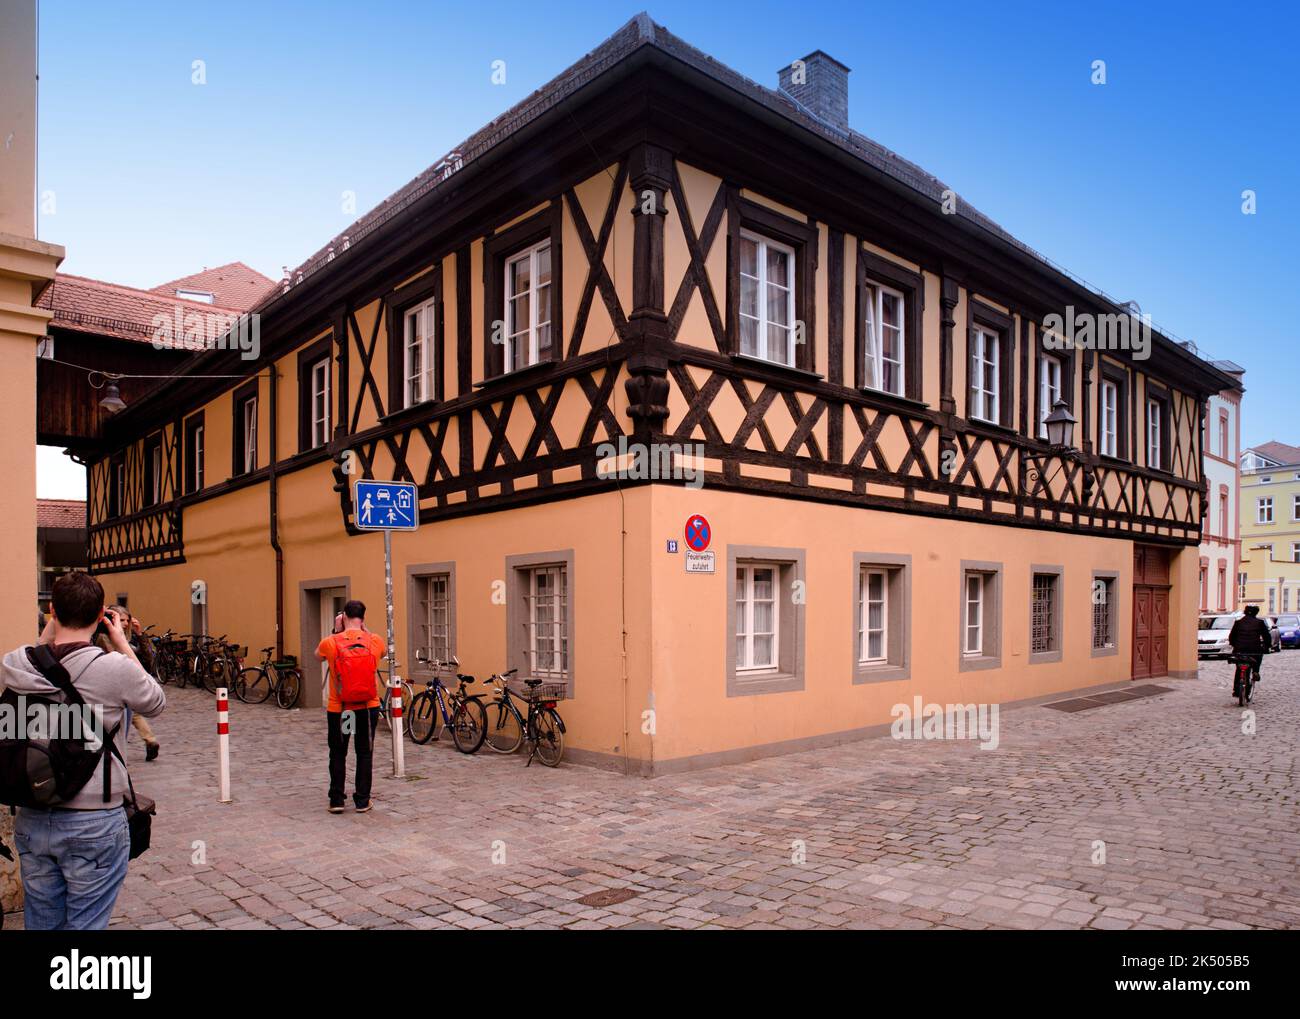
x: 110, y: 680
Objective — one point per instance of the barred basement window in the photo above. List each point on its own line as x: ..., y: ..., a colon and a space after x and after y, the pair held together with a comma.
x: 547, y: 600
x: 1044, y: 596
x: 1103, y: 613
x: 434, y: 629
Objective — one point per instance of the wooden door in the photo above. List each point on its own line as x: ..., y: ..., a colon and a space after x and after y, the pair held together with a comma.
x: 1150, y: 612
x: 1141, y: 632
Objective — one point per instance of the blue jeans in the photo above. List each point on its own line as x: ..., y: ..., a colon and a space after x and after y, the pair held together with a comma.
x: 73, y: 864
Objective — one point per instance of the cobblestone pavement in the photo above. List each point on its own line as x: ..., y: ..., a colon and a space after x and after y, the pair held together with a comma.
x: 1199, y: 823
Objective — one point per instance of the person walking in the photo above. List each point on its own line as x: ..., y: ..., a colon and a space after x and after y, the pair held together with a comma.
x: 352, y: 708
x: 74, y: 857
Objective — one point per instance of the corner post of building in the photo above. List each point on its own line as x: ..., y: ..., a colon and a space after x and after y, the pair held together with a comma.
x: 948, y: 294
x: 650, y: 174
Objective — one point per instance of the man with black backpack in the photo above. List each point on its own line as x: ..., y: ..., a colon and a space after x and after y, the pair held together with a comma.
x: 72, y: 831
x: 352, y: 707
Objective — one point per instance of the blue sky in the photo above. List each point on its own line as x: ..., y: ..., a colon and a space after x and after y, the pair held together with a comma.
x: 1135, y: 185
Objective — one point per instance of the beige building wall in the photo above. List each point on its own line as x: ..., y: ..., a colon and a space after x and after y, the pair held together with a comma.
x: 26, y: 267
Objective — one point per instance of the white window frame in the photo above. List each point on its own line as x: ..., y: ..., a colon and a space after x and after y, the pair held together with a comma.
x: 531, y: 332
x: 155, y: 474
x: 1050, y: 371
x: 986, y: 404
x: 1264, y: 510
x: 554, y: 631
x: 873, y: 356
x: 1109, y: 423
x: 974, y: 589
x: 249, y: 422
x: 1155, y: 424
x: 434, y: 591
x: 761, y: 351
x: 319, y: 390
x: 1103, y: 613
x: 196, y: 451
x: 865, y: 602
x: 418, y: 363
x: 745, y: 634
x: 1295, y: 507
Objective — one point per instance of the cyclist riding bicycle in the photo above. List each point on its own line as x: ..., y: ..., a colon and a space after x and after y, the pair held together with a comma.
x: 1250, y: 638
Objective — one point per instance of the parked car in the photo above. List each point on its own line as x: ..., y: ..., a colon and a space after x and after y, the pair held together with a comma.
x: 1289, y: 630
x: 1212, y: 634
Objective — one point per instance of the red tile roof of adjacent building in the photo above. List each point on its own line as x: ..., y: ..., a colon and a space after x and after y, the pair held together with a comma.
x: 61, y: 513
x: 109, y: 309
x: 233, y: 285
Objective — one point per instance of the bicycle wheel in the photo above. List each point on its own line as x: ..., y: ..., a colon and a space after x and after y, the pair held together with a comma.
x: 163, y: 663
x: 422, y: 717
x: 214, y: 674
x: 504, y: 731
x: 252, y: 686
x: 468, y: 726
x: 550, y: 737
x: 289, y: 688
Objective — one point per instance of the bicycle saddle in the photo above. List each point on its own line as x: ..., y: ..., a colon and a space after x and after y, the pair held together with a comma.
x: 267, y: 649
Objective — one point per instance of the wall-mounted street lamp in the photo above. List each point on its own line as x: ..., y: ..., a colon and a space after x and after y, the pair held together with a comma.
x: 1060, y: 437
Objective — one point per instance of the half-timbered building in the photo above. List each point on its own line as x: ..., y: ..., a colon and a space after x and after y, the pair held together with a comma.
x: 850, y: 368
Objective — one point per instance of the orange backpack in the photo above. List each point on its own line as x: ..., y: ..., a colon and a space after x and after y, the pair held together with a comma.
x: 355, y: 669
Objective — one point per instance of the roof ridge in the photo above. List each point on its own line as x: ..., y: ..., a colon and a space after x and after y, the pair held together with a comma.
x: 153, y: 295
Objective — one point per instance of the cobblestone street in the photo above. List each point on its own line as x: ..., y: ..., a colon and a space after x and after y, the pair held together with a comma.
x: 1199, y: 823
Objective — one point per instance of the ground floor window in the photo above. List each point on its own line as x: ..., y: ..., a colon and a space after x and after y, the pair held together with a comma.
x: 1045, y: 614
x: 540, y: 616
x: 981, y: 616
x: 882, y: 616
x: 1104, y: 613
x: 765, y: 620
x: 431, y: 593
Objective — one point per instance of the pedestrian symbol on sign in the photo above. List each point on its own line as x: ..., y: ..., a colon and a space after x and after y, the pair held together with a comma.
x: 386, y: 506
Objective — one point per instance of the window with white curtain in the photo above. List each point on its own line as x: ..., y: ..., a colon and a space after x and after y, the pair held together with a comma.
x: 767, y: 289
x: 757, y: 612
x: 985, y: 381
x: 873, y: 616
x: 1049, y: 389
x: 1109, y: 418
x: 883, y: 329
x: 528, y: 306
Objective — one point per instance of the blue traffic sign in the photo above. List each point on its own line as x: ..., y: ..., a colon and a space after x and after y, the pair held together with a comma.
x: 385, y: 506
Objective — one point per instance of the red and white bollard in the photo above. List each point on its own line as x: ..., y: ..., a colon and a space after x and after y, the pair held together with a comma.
x: 223, y: 744
x: 395, y: 714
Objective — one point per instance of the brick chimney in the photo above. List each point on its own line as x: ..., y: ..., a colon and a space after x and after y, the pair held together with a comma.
x: 821, y: 83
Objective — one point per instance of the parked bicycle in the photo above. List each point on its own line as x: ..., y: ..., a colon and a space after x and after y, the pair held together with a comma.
x: 542, y: 727
x: 436, y: 709
x: 225, y: 662
x: 280, y: 678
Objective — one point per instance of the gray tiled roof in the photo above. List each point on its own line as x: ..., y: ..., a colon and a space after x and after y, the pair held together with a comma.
x: 638, y: 32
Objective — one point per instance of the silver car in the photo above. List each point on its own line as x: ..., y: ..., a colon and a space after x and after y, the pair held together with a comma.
x: 1212, y: 634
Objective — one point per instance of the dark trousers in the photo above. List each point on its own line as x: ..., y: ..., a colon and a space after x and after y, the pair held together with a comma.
x: 362, y: 724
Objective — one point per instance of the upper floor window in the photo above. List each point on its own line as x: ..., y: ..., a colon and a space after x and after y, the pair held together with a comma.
x: 1264, y: 510
x: 244, y: 426
x: 418, y: 362
x: 528, y: 307
x: 153, y: 471
x: 314, y: 388
x: 884, y: 367
x: 1295, y: 507
x: 1223, y: 436
x: 1049, y: 389
x: 985, y: 375
x: 320, y: 402
x: 1109, y: 418
x: 1155, y: 435
x: 116, y: 486
x: 767, y: 289
x: 194, y: 443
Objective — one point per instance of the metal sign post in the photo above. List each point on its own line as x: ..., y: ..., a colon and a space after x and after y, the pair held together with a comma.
x: 394, y: 680
x: 389, y: 506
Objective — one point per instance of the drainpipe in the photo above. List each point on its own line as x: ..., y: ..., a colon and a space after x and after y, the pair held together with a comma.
x: 275, y: 520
